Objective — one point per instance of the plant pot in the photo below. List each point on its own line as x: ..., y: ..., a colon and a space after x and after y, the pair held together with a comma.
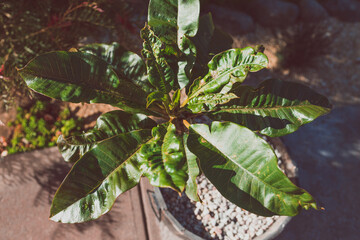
x: 173, y: 224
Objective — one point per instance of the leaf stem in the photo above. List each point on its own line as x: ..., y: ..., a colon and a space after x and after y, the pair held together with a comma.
x: 166, y: 103
x: 186, y: 123
x: 184, y: 103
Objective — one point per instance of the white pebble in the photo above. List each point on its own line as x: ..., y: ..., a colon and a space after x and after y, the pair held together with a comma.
x: 259, y: 232
x: 219, y: 217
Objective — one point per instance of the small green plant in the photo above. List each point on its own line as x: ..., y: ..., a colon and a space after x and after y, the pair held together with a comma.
x: 206, y: 120
x: 39, y: 126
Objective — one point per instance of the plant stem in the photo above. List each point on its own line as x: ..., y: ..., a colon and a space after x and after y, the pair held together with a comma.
x: 186, y: 123
x: 184, y: 103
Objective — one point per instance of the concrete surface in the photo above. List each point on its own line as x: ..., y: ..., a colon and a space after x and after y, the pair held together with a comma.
x: 27, y: 184
x: 157, y: 224
x: 327, y: 153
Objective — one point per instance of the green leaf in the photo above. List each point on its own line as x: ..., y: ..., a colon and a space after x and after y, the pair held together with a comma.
x: 186, y: 62
x: 227, y: 68
x: 188, y: 21
x: 156, y: 96
x: 193, y: 171
x: 203, y: 38
x: 82, y: 77
x: 243, y: 167
x: 275, y: 108
x: 188, y: 17
x: 112, y: 167
x: 153, y: 167
x: 209, y: 41
x: 175, y: 101
x: 174, y: 157
x: 107, y: 125
x: 127, y: 64
x: 173, y: 19
x: 166, y: 165
x: 174, y: 22
x: 208, y: 102
x: 162, y: 18
x: 161, y: 75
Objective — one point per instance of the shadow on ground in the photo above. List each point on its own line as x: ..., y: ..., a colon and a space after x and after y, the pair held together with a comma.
x: 49, y: 179
x: 327, y: 153
x: 105, y: 224
x: 28, y: 183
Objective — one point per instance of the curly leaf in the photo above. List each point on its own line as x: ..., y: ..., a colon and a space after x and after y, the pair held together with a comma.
x: 153, y: 167
x: 186, y: 62
x: 227, y: 68
x: 175, y: 101
x: 173, y: 154
x: 127, y: 64
x: 166, y: 165
x: 209, y: 41
x: 161, y: 75
x: 156, y: 96
x: 275, y: 108
x: 107, y: 125
x: 243, y: 167
x: 162, y: 18
x: 110, y: 168
x: 82, y: 77
x: 174, y: 22
x: 208, y: 102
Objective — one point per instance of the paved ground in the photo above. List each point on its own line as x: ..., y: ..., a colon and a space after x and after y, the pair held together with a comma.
x: 327, y: 153
x: 27, y: 184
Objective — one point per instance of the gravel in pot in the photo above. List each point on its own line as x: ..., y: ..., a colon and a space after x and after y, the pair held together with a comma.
x: 218, y: 218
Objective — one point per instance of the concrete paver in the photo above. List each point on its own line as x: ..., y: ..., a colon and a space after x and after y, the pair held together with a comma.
x: 27, y: 184
x: 327, y: 153
x: 157, y: 224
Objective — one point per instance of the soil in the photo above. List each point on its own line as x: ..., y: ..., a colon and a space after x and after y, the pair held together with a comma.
x: 90, y: 112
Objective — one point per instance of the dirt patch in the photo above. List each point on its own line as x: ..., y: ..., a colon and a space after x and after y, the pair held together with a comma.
x: 336, y: 74
x: 90, y: 112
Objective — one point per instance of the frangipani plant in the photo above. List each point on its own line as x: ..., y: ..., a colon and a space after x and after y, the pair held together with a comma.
x: 206, y: 120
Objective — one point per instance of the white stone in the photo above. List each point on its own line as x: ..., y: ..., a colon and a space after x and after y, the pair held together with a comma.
x: 259, y: 232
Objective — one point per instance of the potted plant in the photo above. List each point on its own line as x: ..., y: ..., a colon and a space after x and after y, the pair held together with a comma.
x: 206, y: 120
x: 215, y: 217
